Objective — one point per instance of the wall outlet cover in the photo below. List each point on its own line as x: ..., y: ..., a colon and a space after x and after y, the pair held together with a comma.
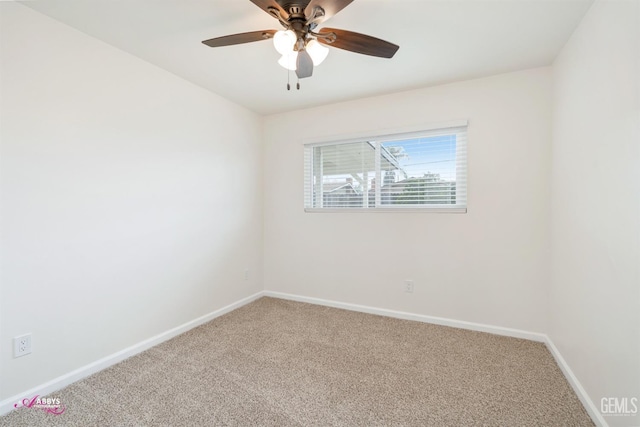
x: 22, y: 345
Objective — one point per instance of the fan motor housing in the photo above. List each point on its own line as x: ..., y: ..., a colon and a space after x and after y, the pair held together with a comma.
x: 295, y: 10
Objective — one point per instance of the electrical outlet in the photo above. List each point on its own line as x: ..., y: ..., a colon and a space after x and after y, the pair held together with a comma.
x: 22, y: 345
x: 408, y: 286
x: 246, y: 274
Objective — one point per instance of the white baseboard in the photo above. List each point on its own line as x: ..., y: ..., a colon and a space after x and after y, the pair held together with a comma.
x: 6, y: 405
x: 591, y: 408
x: 588, y: 404
x: 497, y: 330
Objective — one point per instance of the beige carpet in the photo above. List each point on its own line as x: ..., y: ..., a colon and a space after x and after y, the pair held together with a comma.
x: 281, y: 363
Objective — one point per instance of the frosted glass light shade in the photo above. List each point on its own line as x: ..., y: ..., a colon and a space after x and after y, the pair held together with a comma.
x: 284, y: 41
x: 317, y: 52
x: 289, y: 61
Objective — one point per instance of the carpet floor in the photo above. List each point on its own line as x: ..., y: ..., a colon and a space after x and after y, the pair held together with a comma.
x: 283, y: 363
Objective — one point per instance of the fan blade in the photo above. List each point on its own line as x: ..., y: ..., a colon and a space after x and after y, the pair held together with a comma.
x: 266, y: 4
x: 304, y: 65
x: 331, y: 7
x: 359, y: 43
x: 232, y: 39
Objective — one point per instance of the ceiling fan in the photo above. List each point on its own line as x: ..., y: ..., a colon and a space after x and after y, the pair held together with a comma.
x: 300, y: 44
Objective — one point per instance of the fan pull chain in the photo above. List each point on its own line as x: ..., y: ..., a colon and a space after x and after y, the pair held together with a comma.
x: 288, y: 80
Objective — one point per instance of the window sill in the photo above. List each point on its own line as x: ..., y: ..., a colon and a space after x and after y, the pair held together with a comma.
x: 387, y: 210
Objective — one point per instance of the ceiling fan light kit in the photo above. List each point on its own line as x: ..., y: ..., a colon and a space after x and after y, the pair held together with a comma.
x: 289, y: 61
x: 301, y: 47
x: 317, y: 51
x: 285, y: 42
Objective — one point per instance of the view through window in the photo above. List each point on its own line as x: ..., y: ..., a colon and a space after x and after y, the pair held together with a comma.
x: 424, y: 170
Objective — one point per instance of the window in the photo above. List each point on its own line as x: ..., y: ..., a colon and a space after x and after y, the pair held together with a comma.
x: 424, y: 170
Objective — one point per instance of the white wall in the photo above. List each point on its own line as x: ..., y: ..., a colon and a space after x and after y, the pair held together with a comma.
x: 131, y: 199
x: 595, y: 292
x: 489, y: 265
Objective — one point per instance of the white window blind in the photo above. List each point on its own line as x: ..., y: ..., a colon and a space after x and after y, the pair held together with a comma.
x: 418, y: 170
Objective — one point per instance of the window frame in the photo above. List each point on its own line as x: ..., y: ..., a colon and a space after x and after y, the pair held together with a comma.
x: 378, y: 138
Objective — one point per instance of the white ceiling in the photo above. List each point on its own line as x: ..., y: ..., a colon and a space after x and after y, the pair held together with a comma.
x: 440, y: 41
